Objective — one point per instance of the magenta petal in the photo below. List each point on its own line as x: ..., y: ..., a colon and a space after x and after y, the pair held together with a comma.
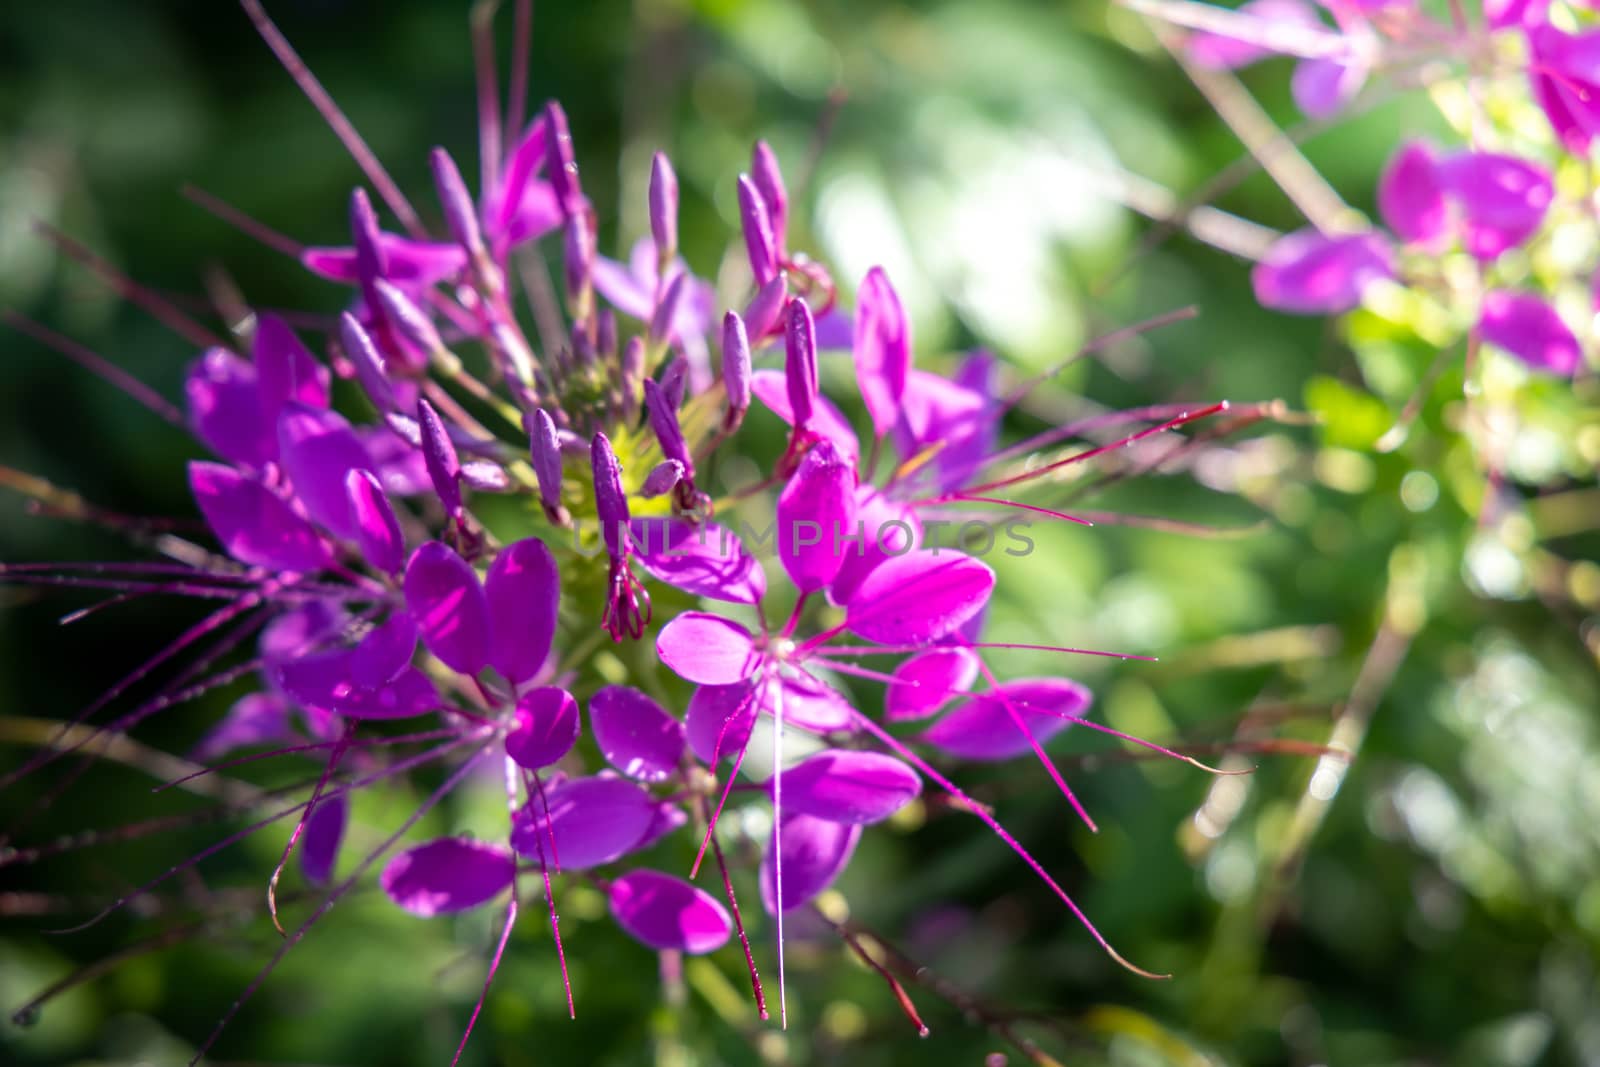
x: 635, y: 735
x: 882, y: 348
x: 849, y: 786
x: 810, y: 704
x: 919, y: 597
x: 668, y: 818
x: 319, y: 848
x: 523, y: 591
x: 410, y: 264
x: 1217, y: 51
x: 448, y: 604
x: 285, y: 369
x: 544, y: 727
x: 593, y: 821
x: 1529, y: 329
x: 254, y: 524
x: 705, y: 559
x: 377, y: 529
x: 886, y: 528
x: 719, y: 720
x: 319, y: 450
x: 1307, y: 273
x: 1322, y: 87
x: 816, y: 512
x: 982, y: 729
x: 927, y: 682
x: 255, y: 719
x: 1503, y: 199
x: 633, y: 296
x: 772, y: 389
x: 667, y: 913
x: 325, y: 681
x: 815, y: 852
x: 1409, y: 196
x: 384, y: 652
x: 959, y: 418
x: 446, y: 875
x: 707, y: 649
x: 224, y: 403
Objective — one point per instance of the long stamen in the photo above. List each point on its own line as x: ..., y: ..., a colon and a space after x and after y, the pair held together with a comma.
x: 98, y: 365
x: 1033, y: 742
x: 733, y: 775
x: 146, y: 299
x: 279, y: 242
x: 335, y: 118
x: 738, y: 924
x: 482, y: 20
x: 517, y: 91
x: 778, y: 843
x: 488, y: 979
x: 300, y: 827
x: 993, y: 824
x: 1079, y: 457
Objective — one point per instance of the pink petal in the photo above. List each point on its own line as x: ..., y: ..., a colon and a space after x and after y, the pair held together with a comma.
x: 810, y: 704
x: 1529, y: 329
x: 816, y: 512
x: 286, y: 369
x: 447, y: 875
x: 886, y: 528
x: 319, y: 450
x: 635, y: 735
x: 325, y: 681
x: 255, y: 719
x: 593, y: 820
x: 927, y: 682
x: 377, y: 529
x: 448, y: 604
x: 1307, y: 273
x: 544, y: 727
x: 224, y: 406
x: 1503, y: 199
x: 707, y: 649
x: 850, y: 786
x: 703, y: 559
x: 1409, y: 195
x: 981, y: 728
x: 1323, y: 87
x: 772, y: 389
x: 319, y: 847
x: 719, y: 720
x: 919, y: 597
x: 882, y: 348
x: 253, y: 523
x: 523, y: 592
x: 667, y: 913
x: 815, y: 852
x: 384, y: 652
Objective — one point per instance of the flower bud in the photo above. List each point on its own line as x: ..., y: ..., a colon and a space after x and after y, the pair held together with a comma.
x: 408, y: 320
x: 371, y: 371
x: 610, y: 501
x: 661, y: 479
x: 371, y: 262
x: 769, y: 183
x: 562, y: 166
x: 439, y: 454
x: 766, y: 307
x: 460, y: 213
x: 800, y: 363
x: 735, y: 368
x: 675, y: 382
x: 664, y: 423
x: 666, y: 313
x: 664, y: 207
x: 545, y: 447
x: 757, y: 225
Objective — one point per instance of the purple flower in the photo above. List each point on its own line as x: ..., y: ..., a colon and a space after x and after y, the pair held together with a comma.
x: 1565, y: 72
x: 1492, y: 202
x: 1528, y: 328
x: 1310, y: 273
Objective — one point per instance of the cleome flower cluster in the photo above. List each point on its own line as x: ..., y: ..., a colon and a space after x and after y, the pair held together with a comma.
x: 438, y: 568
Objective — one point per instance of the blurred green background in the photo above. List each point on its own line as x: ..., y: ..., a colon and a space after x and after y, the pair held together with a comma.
x: 1438, y: 904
